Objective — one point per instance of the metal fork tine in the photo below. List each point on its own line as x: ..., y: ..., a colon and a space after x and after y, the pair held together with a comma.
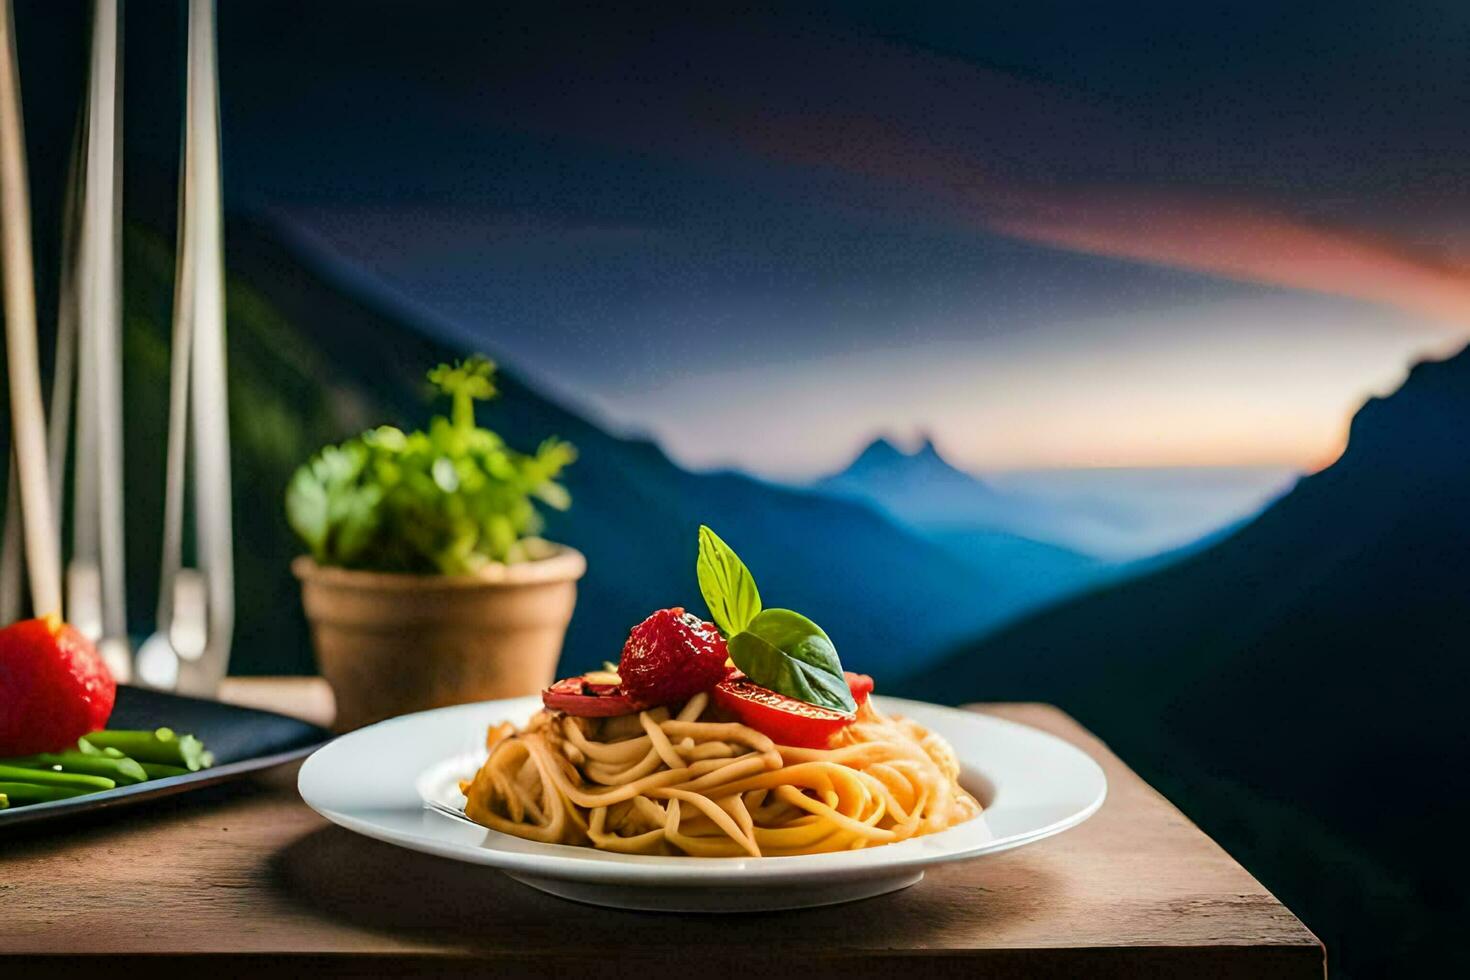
x: 454, y: 812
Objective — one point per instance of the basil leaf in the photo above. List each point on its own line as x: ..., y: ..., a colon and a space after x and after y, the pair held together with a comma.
x: 791, y: 655
x: 726, y: 584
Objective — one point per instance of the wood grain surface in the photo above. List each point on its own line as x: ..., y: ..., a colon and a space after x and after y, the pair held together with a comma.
x: 244, y: 879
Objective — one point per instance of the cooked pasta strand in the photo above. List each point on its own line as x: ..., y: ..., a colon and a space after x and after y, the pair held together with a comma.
x: 689, y: 783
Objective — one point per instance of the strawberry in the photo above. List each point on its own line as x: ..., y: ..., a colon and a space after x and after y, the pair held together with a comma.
x: 672, y: 656
x: 54, y: 687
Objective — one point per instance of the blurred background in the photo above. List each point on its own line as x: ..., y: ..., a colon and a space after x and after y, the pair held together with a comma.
x: 1101, y: 354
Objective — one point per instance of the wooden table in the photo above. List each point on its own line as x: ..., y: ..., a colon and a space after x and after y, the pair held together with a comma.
x: 244, y: 879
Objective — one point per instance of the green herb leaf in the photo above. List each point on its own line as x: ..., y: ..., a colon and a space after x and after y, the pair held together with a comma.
x: 791, y: 655
x: 465, y: 382
x: 306, y: 511
x: 726, y: 584
x: 449, y: 498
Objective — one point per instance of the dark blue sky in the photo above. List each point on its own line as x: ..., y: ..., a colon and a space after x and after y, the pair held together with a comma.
x: 1050, y: 235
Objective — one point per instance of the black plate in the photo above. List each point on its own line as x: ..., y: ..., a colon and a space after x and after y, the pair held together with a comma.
x: 243, y: 740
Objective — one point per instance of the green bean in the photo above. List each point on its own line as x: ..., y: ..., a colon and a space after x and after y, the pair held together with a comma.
x: 19, y: 794
x: 87, y: 748
x: 160, y: 746
x: 119, y: 769
x: 50, y: 777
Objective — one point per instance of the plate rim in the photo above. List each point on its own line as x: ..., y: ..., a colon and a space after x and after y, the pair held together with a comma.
x: 674, y: 871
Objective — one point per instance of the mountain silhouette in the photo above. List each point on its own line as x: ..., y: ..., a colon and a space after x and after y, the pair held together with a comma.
x: 635, y: 513
x: 1113, y: 516
x: 1300, y: 685
x: 971, y: 521
x: 924, y: 488
x: 314, y: 358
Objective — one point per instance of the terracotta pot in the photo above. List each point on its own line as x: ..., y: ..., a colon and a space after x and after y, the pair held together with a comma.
x: 390, y: 644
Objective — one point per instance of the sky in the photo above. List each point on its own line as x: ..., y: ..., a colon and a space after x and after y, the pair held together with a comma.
x: 1058, y: 236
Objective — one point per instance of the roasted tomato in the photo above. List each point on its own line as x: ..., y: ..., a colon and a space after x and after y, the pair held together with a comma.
x: 785, y: 720
x: 578, y: 696
x: 672, y: 656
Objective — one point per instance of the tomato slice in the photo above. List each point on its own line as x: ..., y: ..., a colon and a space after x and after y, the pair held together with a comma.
x: 577, y: 696
x: 787, y: 721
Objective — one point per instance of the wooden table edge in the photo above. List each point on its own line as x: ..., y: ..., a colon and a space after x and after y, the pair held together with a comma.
x: 311, y: 699
x: 1298, y: 953
x: 1217, y: 961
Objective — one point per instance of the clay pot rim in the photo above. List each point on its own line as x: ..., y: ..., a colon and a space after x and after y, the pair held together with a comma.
x: 564, y: 564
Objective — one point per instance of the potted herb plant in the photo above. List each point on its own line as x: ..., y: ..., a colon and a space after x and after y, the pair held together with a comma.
x: 425, y: 583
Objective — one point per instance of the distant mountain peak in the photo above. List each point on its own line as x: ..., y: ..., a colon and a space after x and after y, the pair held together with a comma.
x: 881, y: 448
x: 883, y: 452
x: 885, y: 472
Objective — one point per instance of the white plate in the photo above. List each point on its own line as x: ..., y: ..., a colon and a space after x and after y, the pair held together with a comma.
x: 390, y: 782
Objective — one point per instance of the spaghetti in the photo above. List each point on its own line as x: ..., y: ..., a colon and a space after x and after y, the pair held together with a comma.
x: 686, y: 782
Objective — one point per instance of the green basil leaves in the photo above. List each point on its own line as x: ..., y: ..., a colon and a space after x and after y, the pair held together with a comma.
x: 726, y: 584
x: 776, y: 648
x: 447, y: 499
x: 792, y: 655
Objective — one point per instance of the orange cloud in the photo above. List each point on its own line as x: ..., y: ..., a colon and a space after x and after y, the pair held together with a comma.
x: 1245, y: 242
x: 997, y: 188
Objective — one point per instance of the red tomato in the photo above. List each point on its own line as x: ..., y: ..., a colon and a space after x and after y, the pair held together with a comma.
x: 54, y: 687
x: 787, y: 721
x: 672, y: 656
x: 575, y: 696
